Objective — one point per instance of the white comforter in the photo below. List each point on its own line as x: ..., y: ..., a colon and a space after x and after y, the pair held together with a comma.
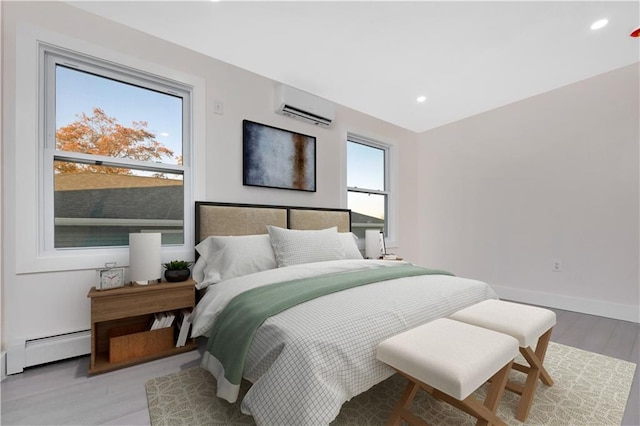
x: 308, y: 360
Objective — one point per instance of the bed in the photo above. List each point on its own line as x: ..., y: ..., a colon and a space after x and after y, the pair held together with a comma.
x: 307, y: 358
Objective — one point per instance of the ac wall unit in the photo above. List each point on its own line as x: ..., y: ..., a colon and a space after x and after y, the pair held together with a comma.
x: 304, y: 106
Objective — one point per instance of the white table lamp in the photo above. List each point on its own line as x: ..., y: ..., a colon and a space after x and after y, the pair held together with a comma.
x: 373, y: 243
x: 145, y: 263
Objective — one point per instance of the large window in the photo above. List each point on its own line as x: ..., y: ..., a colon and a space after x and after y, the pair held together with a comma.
x: 115, y: 156
x: 367, y: 184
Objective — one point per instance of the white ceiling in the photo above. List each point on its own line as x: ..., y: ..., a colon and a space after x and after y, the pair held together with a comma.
x: 377, y: 57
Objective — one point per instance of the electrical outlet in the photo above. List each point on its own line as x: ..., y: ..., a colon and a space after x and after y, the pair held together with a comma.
x: 556, y: 265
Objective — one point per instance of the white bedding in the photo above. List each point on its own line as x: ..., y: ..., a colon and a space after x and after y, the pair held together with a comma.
x: 308, y: 360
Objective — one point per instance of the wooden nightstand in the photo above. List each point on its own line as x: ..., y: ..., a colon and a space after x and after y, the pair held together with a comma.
x: 120, y: 319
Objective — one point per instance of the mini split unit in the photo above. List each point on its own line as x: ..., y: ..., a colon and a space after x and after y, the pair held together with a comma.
x: 304, y: 106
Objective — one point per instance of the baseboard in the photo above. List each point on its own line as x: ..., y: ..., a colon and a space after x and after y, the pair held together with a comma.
x: 570, y: 303
x: 47, y: 349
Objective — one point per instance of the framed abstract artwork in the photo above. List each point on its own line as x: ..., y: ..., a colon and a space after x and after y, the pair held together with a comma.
x: 278, y: 158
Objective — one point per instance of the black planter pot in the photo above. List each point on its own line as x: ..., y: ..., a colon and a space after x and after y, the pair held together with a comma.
x: 178, y: 275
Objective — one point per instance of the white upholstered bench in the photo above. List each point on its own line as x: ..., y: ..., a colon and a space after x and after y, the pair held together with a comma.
x: 531, y: 326
x: 450, y: 360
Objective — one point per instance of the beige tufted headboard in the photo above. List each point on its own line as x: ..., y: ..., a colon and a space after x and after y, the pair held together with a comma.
x: 220, y: 219
x: 319, y: 219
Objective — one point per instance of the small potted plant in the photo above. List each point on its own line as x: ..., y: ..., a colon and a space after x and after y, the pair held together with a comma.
x: 177, y: 270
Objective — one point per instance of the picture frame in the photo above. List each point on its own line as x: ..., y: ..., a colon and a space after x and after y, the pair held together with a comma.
x: 278, y: 158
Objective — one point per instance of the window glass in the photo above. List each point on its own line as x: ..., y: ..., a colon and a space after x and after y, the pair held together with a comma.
x: 367, y: 194
x: 365, y: 166
x: 115, y: 144
x: 367, y: 211
x: 100, y: 207
x: 102, y: 116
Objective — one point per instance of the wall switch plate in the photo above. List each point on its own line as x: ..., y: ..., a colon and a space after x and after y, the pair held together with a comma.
x: 556, y: 265
x: 218, y: 107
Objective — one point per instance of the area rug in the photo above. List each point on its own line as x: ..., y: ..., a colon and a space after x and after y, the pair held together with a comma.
x: 590, y: 389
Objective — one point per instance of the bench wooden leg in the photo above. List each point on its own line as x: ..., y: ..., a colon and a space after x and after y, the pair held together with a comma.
x: 496, y: 390
x: 535, y: 370
x: 541, y: 352
x: 484, y: 412
x: 403, y: 404
x: 530, y: 385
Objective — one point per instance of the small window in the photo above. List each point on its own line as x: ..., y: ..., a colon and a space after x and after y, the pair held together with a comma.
x: 115, y: 145
x: 367, y: 185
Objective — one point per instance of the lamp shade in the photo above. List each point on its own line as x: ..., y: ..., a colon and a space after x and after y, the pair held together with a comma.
x: 145, y: 263
x: 373, y: 240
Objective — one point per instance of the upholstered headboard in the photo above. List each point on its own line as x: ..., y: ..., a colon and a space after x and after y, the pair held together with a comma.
x: 221, y: 219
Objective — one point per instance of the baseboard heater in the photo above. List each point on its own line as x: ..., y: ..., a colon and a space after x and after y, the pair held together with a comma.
x: 54, y: 348
x: 48, y: 349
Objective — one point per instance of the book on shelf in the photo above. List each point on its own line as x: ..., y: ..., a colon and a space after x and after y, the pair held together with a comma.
x: 158, y: 319
x: 182, y: 327
x: 168, y: 319
x: 162, y: 320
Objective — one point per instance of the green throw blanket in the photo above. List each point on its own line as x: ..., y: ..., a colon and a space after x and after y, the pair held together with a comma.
x: 236, y: 325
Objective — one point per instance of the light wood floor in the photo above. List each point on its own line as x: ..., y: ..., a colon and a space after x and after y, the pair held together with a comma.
x: 61, y: 393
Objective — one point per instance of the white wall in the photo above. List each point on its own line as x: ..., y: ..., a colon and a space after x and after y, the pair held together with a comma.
x: 36, y: 305
x: 555, y: 176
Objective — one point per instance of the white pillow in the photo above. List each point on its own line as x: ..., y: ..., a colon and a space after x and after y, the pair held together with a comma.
x: 231, y: 257
x: 348, y: 240
x: 197, y: 273
x: 292, y: 247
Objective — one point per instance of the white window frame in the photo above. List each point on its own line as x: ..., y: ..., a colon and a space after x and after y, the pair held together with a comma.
x: 51, y: 57
x: 24, y: 157
x: 389, y: 214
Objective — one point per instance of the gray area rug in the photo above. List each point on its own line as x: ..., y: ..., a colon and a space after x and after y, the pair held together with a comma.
x: 590, y: 389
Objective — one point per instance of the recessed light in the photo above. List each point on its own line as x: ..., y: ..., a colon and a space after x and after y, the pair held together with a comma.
x: 421, y: 99
x: 599, y: 24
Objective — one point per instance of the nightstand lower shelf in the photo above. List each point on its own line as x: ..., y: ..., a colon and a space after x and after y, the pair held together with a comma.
x: 102, y: 364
